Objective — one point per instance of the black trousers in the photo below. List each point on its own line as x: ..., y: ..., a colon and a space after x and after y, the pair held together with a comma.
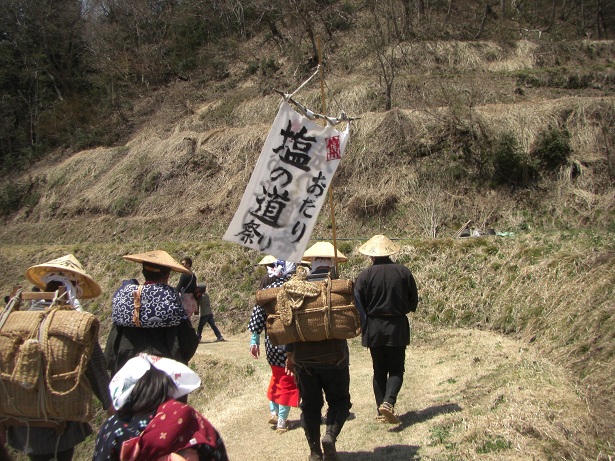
x: 335, y: 383
x: 66, y: 455
x: 389, y: 366
x: 208, y: 320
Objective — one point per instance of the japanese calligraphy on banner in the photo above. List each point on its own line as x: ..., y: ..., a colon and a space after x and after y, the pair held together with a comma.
x: 288, y: 186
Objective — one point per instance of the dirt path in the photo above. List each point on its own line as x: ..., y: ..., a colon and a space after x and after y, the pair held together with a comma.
x: 467, y: 394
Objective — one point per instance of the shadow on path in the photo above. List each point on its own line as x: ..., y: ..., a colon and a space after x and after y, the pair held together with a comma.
x: 395, y: 452
x: 416, y: 417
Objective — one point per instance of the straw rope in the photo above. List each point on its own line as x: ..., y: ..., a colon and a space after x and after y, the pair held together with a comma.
x: 310, y: 311
x: 136, y: 315
x: 76, y: 374
x: 291, y: 297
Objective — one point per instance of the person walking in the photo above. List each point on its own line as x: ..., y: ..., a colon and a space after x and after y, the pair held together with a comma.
x: 187, y: 287
x: 206, y: 315
x: 149, y: 317
x: 282, y: 392
x: 385, y: 293
x: 273, y: 270
x: 321, y: 367
x: 47, y: 443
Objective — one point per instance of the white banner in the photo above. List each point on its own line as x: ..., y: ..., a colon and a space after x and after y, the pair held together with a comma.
x: 288, y: 186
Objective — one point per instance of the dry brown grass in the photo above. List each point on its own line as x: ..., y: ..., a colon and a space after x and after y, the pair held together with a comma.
x: 175, y: 184
x: 467, y: 395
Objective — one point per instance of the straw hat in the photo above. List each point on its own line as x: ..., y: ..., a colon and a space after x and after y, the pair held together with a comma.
x: 379, y: 245
x: 159, y: 257
x: 323, y: 250
x: 269, y: 259
x: 71, y: 268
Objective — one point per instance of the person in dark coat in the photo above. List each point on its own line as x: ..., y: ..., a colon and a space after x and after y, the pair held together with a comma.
x: 150, y: 317
x: 187, y: 287
x: 322, y: 367
x: 385, y: 293
x: 206, y: 315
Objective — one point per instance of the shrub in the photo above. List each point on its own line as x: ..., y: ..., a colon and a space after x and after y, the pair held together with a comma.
x: 11, y: 196
x: 367, y: 206
x: 552, y: 148
x: 124, y: 206
x: 14, y: 195
x: 493, y: 445
x: 509, y: 163
x: 269, y: 66
x: 252, y: 67
x: 526, y: 78
x: 340, y: 19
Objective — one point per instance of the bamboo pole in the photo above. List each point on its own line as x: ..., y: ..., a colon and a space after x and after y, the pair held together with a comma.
x: 324, y: 111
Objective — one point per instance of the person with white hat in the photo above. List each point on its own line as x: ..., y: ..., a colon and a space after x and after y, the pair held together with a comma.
x: 282, y: 392
x: 66, y: 272
x: 322, y: 367
x: 151, y: 423
x: 385, y: 292
x: 150, y: 317
x: 273, y: 270
x: 44, y: 443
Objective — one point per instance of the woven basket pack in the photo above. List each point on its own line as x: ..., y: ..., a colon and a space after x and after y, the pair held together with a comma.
x: 301, y: 311
x: 43, y: 358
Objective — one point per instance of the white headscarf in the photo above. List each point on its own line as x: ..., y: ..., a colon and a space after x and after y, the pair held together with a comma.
x: 322, y: 262
x: 281, y: 269
x: 287, y: 268
x: 126, y: 378
x: 274, y: 271
x: 73, y: 290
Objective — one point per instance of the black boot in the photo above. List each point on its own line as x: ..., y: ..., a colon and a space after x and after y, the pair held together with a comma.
x: 313, y: 439
x: 328, y: 442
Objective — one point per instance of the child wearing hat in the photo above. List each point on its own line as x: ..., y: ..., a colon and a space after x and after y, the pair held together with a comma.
x: 150, y: 424
x: 282, y: 392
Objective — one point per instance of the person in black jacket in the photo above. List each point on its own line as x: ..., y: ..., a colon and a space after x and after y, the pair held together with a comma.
x: 187, y: 288
x: 385, y: 293
x: 149, y: 317
x: 322, y: 368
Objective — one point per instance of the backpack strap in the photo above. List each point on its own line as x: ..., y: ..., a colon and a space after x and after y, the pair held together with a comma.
x: 137, y: 311
x: 13, y: 304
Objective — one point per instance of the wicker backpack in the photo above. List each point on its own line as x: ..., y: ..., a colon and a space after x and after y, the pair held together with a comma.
x: 301, y: 311
x: 43, y: 358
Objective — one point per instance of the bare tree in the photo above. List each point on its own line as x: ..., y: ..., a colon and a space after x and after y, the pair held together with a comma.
x: 431, y: 205
x: 407, y: 18
x: 385, y: 39
x: 420, y: 9
x: 487, y: 11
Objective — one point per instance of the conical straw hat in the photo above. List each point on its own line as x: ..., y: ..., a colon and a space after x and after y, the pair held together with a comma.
x: 269, y: 259
x: 159, y: 257
x: 71, y: 268
x: 379, y: 245
x: 323, y: 250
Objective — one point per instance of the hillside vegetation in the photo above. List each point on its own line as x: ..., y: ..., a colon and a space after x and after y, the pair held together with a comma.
x: 465, y: 113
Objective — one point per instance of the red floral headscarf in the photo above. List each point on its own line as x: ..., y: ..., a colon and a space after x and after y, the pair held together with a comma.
x: 175, y: 427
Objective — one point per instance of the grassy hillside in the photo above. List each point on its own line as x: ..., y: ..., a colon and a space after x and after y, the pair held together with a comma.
x: 552, y: 292
x: 513, y: 135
